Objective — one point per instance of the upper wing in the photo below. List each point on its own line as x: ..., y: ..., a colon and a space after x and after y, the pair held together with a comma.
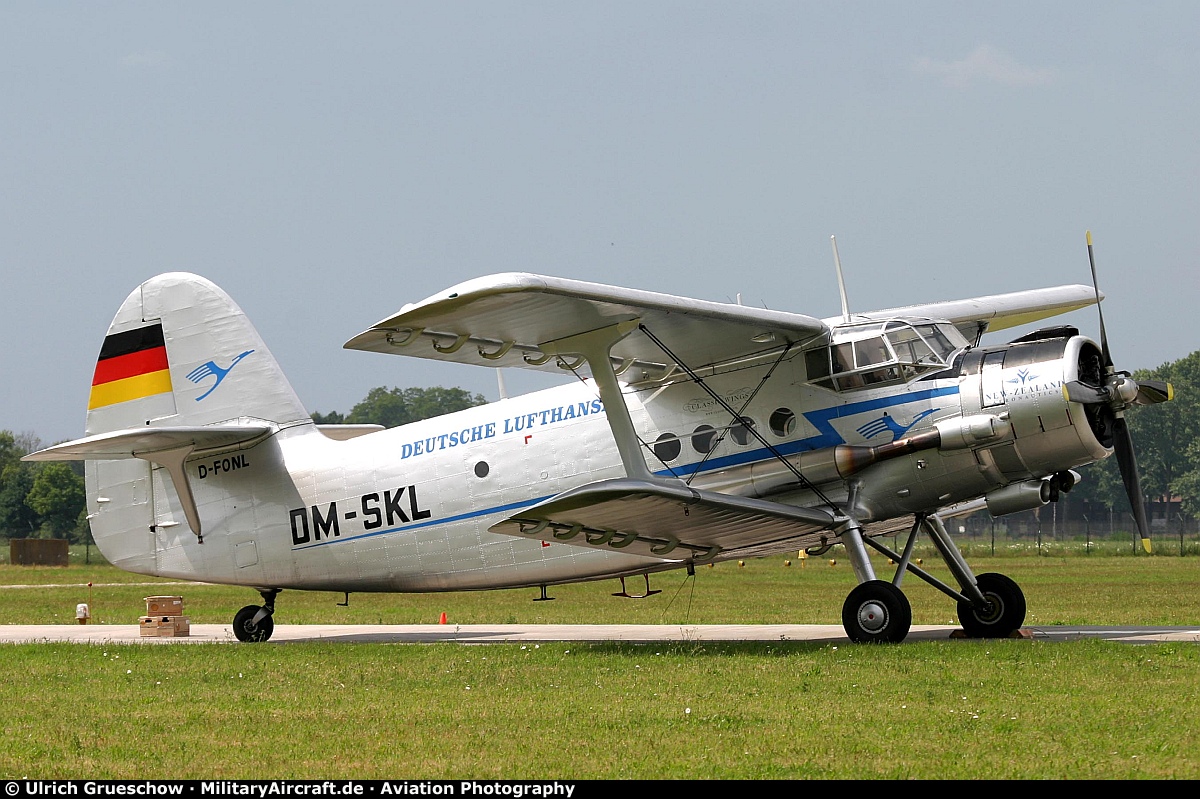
x: 503, y: 320
x: 997, y: 311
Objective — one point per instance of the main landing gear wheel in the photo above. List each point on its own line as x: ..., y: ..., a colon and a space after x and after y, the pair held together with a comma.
x: 249, y: 631
x: 876, y: 612
x: 1004, y: 614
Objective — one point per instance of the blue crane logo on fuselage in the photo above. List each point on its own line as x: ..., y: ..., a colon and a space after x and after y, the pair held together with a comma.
x: 211, y: 369
x: 877, y: 427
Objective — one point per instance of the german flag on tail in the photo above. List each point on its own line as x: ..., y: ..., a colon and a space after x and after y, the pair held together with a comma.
x: 132, y: 365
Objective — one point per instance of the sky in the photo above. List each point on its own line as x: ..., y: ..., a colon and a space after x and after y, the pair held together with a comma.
x: 326, y: 163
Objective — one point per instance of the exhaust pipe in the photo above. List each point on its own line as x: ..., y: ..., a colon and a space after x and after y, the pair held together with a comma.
x: 1019, y: 496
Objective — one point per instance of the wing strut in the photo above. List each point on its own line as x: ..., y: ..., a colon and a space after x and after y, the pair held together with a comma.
x: 173, y: 461
x: 595, y: 346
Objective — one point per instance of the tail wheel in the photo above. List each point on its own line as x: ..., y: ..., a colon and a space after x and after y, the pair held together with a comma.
x: 247, y: 630
x: 876, y: 612
x: 1005, y: 611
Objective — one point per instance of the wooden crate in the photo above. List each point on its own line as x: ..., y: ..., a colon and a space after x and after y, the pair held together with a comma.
x: 164, y: 627
x: 164, y: 606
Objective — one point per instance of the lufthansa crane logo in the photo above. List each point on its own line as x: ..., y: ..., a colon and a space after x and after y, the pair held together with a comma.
x: 211, y: 369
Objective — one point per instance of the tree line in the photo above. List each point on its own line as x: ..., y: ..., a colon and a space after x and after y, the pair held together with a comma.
x: 47, y: 499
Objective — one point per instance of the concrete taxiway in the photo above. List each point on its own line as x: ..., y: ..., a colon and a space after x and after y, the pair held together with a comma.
x: 543, y: 633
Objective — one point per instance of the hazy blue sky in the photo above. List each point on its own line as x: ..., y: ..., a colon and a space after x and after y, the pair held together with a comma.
x: 327, y: 163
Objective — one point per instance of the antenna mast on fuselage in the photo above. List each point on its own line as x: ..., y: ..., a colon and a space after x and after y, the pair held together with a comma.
x: 837, y: 262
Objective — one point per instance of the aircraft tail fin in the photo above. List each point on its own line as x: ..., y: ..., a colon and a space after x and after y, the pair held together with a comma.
x: 181, y: 372
x: 180, y: 352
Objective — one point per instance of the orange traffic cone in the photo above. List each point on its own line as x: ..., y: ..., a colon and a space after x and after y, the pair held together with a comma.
x: 442, y: 620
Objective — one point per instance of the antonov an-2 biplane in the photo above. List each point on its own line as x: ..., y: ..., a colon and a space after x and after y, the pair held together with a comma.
x: 697, y: 432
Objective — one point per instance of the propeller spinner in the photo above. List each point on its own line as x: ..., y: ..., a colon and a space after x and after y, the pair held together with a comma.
x: 1112, y: 394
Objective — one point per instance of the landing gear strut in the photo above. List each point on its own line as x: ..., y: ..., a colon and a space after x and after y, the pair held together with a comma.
x: 253, y: 623
x: 989, y: 606
x: 876, y: 611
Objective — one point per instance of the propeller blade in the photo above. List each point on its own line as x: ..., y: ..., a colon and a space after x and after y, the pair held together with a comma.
x: 1075, y: 391
x: 1152, y: 392
x: 1108, y: 361
x: 1120, y: 391
x: 1127, y: 463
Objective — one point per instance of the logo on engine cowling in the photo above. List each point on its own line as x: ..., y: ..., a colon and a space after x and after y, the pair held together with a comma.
x: 1022, y: 383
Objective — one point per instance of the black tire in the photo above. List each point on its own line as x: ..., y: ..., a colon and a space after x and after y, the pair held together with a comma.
x: 1005, y: 612
x: 247, y: 631
x: 876, y: 612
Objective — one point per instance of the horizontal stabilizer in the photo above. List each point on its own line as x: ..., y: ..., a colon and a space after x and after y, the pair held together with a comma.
x: 515, y: 319
x: 669, y: 521
x: 169, y: 447
x: 138, y: 442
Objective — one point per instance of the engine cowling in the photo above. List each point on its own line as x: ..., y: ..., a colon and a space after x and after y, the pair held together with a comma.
x: 1022, y: 382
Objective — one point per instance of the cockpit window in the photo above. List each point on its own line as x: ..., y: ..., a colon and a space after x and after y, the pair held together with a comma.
x: 878, y: 354
x: 909, y: 345
x: 843, y: 358
x: 870, y: 352
x: 944, y: 339
x: 817, y: 363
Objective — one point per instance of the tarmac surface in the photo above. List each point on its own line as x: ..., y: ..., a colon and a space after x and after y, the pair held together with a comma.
x: 542, y: 633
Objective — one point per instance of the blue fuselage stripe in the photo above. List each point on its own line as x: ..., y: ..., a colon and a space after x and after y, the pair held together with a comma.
x: 826, y: 436
x: 821, y: 419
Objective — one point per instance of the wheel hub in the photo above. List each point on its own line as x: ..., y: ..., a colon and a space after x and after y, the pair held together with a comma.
x: 990, y: 612
x: 872, y: 616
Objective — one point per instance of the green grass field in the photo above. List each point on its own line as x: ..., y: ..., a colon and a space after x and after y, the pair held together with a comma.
x: 1061, y: 585
x: 930, y: 710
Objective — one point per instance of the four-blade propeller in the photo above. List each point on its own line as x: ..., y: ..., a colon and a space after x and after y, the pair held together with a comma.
x: 1118, y: 392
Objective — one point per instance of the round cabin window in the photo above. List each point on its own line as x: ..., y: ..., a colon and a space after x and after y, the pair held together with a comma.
x: 667, y: 447
x: 704, y: 438
x: 740, y: 432
x: 783, y: 422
